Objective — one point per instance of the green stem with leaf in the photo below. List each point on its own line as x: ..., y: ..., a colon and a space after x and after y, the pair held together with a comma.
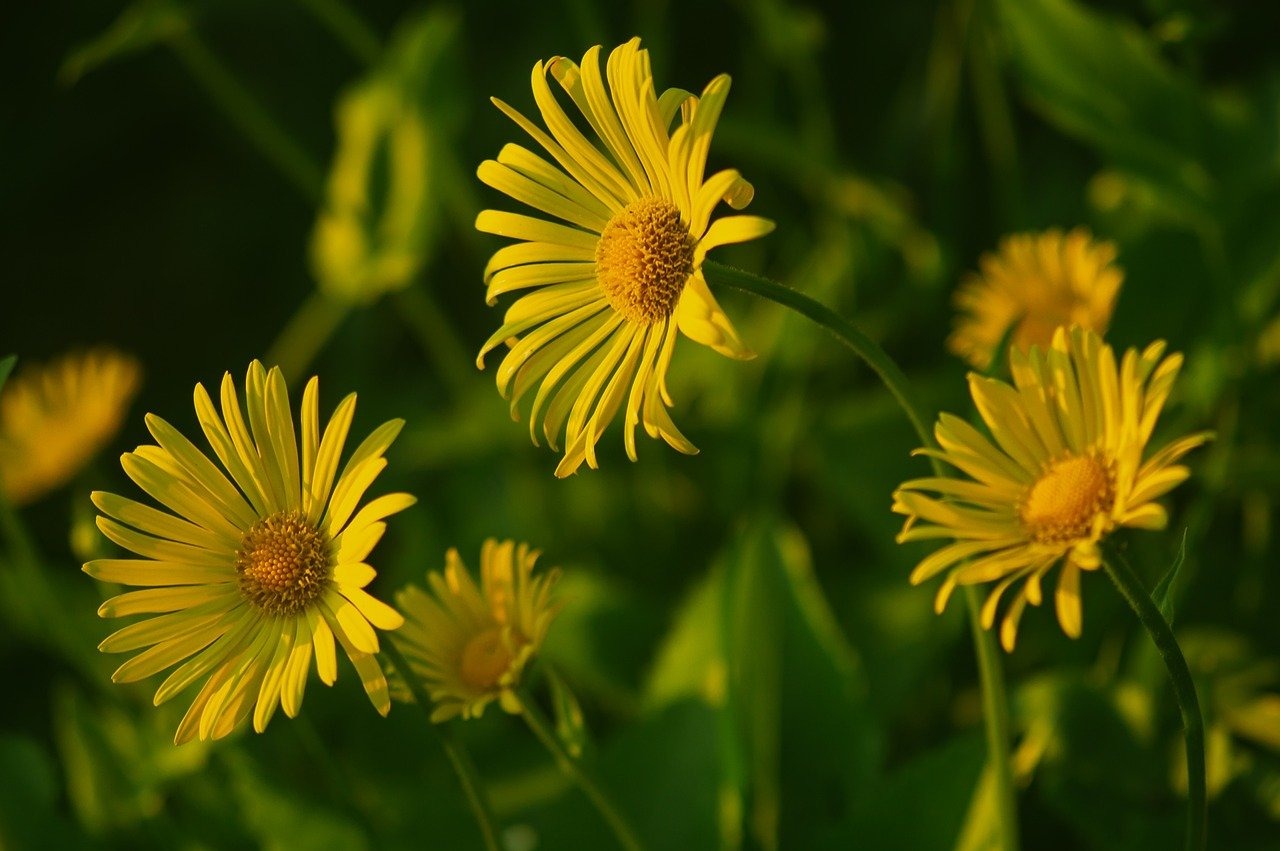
x: 459, y: 758
x: 1184, y: 691
x: 574, y: 770
x: 995, y: 700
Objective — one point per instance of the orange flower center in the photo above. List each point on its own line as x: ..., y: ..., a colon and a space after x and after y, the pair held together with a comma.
x: 283, y: 563
x: 1061, y: 505
x: 485, y: 659
x: 643, y: 260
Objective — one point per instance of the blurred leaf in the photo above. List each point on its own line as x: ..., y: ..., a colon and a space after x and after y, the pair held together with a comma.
x: 280, y: 819
x: 570, y: 725
x: 139, y: 27
x: 6, y: 367
x: 1104, y: 81
x: 1164, y: 591
x: 28, y: 808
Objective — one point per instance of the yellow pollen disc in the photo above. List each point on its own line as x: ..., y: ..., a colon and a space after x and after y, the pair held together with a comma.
x: 283, y: 563
x: 485, y: 659
x: 1062, y: 503
x: 644, y: 259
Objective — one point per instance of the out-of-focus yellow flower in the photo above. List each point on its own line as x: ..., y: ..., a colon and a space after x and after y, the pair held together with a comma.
x: 253, y: 571
x: 619, y: 274
x: 376, y: 230
x: 1067, y: 467
x: 470, y: 644
x: 54, y: 418
x: 1035, y: 283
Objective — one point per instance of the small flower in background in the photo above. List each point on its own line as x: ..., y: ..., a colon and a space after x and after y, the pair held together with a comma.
x: 55, y: 418
x: 375, y: 231
x: 1066, y: 469
x: 617, y: 278
x: 470, y: 644
x: 1038, y: 282
x: 253, y: 575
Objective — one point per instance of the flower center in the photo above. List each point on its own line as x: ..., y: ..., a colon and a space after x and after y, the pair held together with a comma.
x: 643, y: 260
x: 1062, y: 503
x: 485, y: 659
x: 283, y: 563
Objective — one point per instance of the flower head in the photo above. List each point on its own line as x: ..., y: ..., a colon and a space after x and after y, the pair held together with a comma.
x: 253, y: 571
x: 54, y: 418
x: 1038, y: 283
x: 1066, y: 467
x: 470, y: 644
x: 619, y: 275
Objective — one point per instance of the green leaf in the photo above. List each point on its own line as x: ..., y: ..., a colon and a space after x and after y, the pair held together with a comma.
x: 1164, y: 591
x: 1102, y: 80
x: 139, y: 27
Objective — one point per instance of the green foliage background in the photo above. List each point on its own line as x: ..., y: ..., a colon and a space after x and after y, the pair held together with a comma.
x: 752, y: 667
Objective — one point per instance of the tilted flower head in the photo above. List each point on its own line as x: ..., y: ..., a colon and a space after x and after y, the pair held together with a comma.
x: 253, y: 571
x: 1068, y: 466
x: 55, y: 418
x: 1038, y: 282
x: 620, y: 274
x: 470, y: 644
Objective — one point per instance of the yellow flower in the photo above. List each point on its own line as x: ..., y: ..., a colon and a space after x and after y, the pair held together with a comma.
x: 371, y: 236
x: 469, y: 644
x: 254, y: 571
x: 620, y: 273
x: 54, y: 419
x: 1068, y: 466
x: 1039, y: 282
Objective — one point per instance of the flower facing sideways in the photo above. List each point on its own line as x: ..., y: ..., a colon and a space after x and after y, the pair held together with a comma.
x: 469, y: 644
x: 1035, y: 284
x: 1066, y: 466
x: 613, y: 282
x: 251, y: 572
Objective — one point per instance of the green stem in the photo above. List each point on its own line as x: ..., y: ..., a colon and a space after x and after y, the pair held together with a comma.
x: 248, y: 114
x: 348, y: 27
x: 574, y: 771
x: 306, y: 334
x: 457, y: 753
x: 1184, y: 691
x: 994, y: 698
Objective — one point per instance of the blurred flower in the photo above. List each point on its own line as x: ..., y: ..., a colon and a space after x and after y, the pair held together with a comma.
x: 616, y: 281
x: 371, y: 237
x: 377, y: 227
x: 55, y: 418
x: 470, y: 645
x: 254, y: 574
x: 1066, y: 469
x: 1038, y: 283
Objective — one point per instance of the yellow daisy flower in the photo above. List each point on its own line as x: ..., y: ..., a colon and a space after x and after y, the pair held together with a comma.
x: 1067, y: 467
x: 620, y: 273
x: 469, y: 644
x: 54, y: 418
x: 1038, y: 282
x: 250, y: 575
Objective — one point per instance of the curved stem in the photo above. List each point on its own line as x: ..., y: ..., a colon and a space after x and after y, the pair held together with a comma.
x: 346, y: 25
x: 574, y: 771
x: 457, y: 753
x: 1184, y: 691
x: 994, y: 699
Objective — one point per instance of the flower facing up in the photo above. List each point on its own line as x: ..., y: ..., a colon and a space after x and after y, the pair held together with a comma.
x: 54, y: 419
x: 1067, y: 466
x: 251, y: 572
x: 469, y: 644
x: 1038, y: 283
x: 613, y: 281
